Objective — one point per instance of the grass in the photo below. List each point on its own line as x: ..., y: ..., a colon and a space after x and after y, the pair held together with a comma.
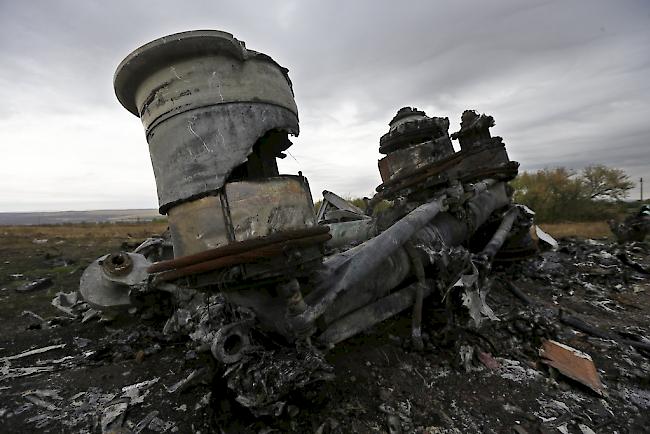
x: 142, y: 230
x: 598, y: 229
x: 86, y: 230
x: 76, y: 245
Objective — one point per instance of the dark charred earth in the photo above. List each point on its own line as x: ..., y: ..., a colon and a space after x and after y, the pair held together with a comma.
x: 85, y: 371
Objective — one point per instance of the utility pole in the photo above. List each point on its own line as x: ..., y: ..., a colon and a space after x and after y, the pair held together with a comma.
x: 641, y: 184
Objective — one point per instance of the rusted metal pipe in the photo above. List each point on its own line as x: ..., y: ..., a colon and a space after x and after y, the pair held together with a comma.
x: 366, y: 317
x: 254, y: 255
x: 416, y: 318
x: 354, y: 268
x: 236, y: 248
x: 500, y: 234
x: 443, y: 231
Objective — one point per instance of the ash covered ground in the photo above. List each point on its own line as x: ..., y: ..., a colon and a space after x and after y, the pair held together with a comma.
x: 92, y: 372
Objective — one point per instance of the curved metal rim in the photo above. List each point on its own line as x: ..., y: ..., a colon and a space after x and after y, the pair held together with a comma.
x: 238, y: 329
x: 421, y: 129
x: 149, y: 57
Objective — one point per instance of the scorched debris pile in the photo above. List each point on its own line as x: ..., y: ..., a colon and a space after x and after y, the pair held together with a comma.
x: 252, y: 264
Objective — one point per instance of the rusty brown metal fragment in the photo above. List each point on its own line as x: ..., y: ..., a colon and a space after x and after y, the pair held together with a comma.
x: 572, y: 363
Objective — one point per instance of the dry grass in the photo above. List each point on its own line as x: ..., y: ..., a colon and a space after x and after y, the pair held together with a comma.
x: 582, y: 230
x: 80, y: 231
x: 124, y: 231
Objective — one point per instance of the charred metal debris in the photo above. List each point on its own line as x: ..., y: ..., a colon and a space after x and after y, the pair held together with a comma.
x: 634, y: 228
x: 256, y: 276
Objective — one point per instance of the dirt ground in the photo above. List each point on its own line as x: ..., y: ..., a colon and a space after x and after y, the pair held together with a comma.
x: 381, y: 384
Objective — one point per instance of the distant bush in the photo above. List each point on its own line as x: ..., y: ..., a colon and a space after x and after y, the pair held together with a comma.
x: 560, y: 194
x: 563, y: 195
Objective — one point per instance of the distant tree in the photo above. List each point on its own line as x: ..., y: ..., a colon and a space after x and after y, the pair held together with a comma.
x: 560, y: 194
x: 602, y: 182
x: 554, y: 194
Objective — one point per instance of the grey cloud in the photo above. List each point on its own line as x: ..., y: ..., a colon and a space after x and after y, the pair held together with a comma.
x: 566, y: 81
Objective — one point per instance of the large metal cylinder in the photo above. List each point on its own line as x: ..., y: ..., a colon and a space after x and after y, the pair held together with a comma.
x: 204, y: 100
x: 216, y: 115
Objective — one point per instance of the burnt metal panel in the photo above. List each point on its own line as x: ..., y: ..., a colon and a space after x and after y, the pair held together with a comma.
x: 242, y: 210
x: 333, y: 203
x: 195, y: 152
x: 262, y: 207
x: 414, y: 157
x: 351, y: 232
x: 198, y: 225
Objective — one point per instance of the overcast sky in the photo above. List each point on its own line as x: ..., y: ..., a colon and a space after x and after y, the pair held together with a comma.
x: 567, y: 82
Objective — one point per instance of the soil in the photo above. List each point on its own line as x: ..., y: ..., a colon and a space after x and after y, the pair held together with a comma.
x: 381, y: 383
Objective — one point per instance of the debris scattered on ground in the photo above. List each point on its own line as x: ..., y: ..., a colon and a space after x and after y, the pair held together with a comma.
x: 374, y: 373
x: 113, y: 415
x: 635, y: 227
x: 32, y: 352
x: 42, y: 283
x: 194, y: 377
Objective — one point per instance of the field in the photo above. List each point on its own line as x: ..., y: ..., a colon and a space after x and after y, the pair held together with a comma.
x: 126, y: 231
x: 79, y: 217
x: 120, y: 231
x: 580, y: 230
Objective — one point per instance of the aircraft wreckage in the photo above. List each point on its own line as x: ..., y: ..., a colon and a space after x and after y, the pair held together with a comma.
x: 254, y: 274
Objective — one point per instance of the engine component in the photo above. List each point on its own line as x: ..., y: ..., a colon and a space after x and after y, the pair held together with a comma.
x: 253, y: 264
x: 418, y: 170
x: 413, y: 141
x: 109, y: 280
x: 205, y: 100
x: 216, y: 115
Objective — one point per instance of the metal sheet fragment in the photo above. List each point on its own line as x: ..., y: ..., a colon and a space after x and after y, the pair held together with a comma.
x: 113, y: 415
x: 474, y: 298
x: 573, y: 363
x: 145, y: 421
x: 37, y: 284
x: 32, y: 352
x: 546, y: 238
x: 194, y: 377
x: 41, y: 403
